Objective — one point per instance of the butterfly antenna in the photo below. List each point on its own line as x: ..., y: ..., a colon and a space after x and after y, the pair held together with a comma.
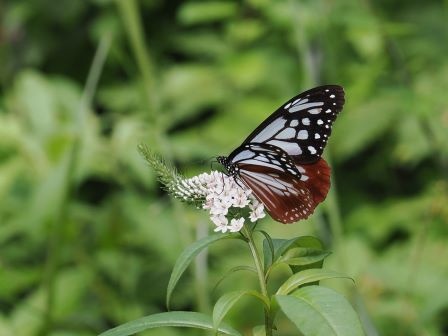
x: 238, y: 182
x: 222, y: 178
x: 203, y: 161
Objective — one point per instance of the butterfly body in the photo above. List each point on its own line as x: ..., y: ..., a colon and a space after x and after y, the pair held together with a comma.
x: 280, y: 161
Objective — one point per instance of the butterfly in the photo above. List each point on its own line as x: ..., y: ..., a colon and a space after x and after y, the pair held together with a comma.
x: 280, y: 161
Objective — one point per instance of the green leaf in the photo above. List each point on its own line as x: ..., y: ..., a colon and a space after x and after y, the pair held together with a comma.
x: 187, y: 256
x: 320, y: 311
x: 307, y: 276
x: 169, y: 319
x: 303, y: 256
x: 234, y: 270
x: 281, y: 246
x: 268, y: 248
x: 227, y: 301
x: 207, y: 11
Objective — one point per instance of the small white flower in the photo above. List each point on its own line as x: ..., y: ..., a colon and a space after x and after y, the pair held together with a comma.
x: 221, y: 223
x: 219, y: 220
x: 222, y: 229
x: 257, y: 211
x: 236, y: 224
x: 218, y: 193
x: 219, y: 209
x: 241, y: 200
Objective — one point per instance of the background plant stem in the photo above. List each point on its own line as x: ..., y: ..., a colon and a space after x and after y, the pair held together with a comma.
x: 67, y: 165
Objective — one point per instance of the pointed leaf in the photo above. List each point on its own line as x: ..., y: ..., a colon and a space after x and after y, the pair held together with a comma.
x: 303, y: 256
x: 307, y: 276
x: 281, y: 246
x: 187, y: 256
x: 320, y: 311
x: 227, y: 301
x: 268, y: 249
x: 234, y: 270
x: 169, y: 319
x: 309, y: 242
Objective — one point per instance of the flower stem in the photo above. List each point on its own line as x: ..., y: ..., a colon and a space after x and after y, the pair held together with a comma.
x: 261, y: 277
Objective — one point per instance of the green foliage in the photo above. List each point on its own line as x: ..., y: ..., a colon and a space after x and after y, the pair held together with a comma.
x: 187, y: 257
x: 318, y: 310
x: 169, y: 319
x: 87, y: 238
x: 314, y: 310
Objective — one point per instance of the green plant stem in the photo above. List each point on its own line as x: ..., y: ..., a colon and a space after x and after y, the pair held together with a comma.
x: 130, y: 14
x: 201, y: 271
x: 68, y: 173
x: 261, y: 277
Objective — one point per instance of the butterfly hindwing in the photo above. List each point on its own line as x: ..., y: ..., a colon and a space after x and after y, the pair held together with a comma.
x: 285, y: 197
x: 289, y: 191
x: 317, y: 178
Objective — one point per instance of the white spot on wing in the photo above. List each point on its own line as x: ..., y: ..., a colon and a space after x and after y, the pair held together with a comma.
x: 320, y: 122
x: 303, y: 106
x: 316, y: 136
x: 332, y: 96
x: 301, y: 169
x: 294, y: 123
x: 272, y: 164
x: 299, y: 101
x: 243, y: 155
x: 312, y: 149
x: 262, y: 158
x: 315, y: 110
x: 289, y: 147
x: 306, y: 121
x: 270, y: 130
x: 303, y: 134
x: 287, y: 133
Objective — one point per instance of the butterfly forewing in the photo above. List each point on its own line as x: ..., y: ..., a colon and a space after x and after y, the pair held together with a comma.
x: 264, y: 156
x: 301, y: 127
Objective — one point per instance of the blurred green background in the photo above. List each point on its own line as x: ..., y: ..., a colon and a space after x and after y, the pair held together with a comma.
x: 88, y: 239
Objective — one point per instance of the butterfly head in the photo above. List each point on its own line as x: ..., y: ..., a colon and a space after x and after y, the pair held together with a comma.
x: 224, y: 160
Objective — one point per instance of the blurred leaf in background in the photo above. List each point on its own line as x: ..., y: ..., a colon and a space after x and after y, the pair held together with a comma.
x: 87, y: 238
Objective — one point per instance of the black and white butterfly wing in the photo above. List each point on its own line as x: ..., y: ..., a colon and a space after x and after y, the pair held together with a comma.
x: 289, y: 191
x: 301, y: 127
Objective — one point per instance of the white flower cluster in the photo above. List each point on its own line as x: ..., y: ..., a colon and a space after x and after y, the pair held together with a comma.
x: 220, y: 193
